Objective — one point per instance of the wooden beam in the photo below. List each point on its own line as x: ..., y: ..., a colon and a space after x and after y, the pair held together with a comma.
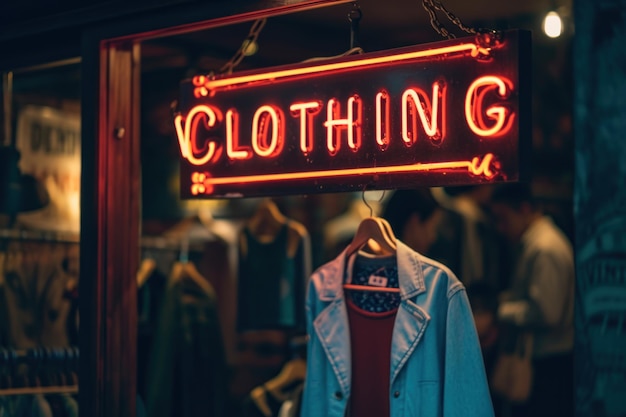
x: 110, y: 232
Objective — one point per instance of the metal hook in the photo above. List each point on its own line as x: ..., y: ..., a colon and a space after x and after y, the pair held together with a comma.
x: 366, y: 203
x: 380, y: 199
x: 354, y: 16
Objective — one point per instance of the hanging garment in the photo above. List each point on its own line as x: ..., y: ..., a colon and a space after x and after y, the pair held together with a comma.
x: 25, y: 406
x: 71, y: 405
x: 280, y: 396
x: 187, y: 375
x: 33, y: 297
x: 62, y: 405
x: 272, y: 405
x: 436, y: 367
x: 149, y: 302
x: 140, y: 407
x: 272, y: 284
x: 366, y: 268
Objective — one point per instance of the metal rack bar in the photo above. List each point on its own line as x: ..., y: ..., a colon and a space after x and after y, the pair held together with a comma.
x: 70, y: 389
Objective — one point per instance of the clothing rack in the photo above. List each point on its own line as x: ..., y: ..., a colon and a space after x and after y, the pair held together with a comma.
x: 33, y: 364
x: 10, y: 356
x: 39, y: 235
x: 70, y: 389
x: 148, y: 242
x: 168, y: 243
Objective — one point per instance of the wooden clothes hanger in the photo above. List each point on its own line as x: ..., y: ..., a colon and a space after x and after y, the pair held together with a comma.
x: 267, y: 220
x: 378, y: 231
x: 145, y: 270
x: 372, y: 228
x: 293, y: 371
x: 188, y: 270
x: 264, y: 224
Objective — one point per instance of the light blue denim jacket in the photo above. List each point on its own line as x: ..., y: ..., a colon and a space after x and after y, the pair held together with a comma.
x: 437, y: 367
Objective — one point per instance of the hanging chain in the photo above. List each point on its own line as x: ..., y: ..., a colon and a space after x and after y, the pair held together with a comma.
x: 432, y: 6
x: 252, y: 37
x: 229, y: 66
x: 354, y: 17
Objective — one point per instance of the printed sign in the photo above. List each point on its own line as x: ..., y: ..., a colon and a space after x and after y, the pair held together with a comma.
x: 49, y: 143
x: 451, y: 112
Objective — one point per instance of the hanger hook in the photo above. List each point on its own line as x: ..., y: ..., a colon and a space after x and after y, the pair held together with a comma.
x: 382, y: 196
x: 366, y: 203
x: 380, y: 200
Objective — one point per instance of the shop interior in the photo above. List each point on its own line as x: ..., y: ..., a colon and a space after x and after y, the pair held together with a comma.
x: 198, y: 348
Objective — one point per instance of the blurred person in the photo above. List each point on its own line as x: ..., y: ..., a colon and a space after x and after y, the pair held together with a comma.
x: 414, y: 216
x: 540, y: 299
x: 467, y: 240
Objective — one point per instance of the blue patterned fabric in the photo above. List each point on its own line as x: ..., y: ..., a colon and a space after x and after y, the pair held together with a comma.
x: 375, y: 301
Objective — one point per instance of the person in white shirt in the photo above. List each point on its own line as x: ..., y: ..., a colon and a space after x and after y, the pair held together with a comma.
x: 540, y: 299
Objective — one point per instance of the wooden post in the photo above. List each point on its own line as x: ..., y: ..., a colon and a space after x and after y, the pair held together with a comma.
x: 110, y: 225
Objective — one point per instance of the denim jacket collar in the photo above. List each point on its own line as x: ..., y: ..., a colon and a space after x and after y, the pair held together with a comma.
x: 332, y: 326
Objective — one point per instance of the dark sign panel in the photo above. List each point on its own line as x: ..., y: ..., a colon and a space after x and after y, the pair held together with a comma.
x: 452, y: 112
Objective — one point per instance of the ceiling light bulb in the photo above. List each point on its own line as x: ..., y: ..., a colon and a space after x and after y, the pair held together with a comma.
x: 553, y: 25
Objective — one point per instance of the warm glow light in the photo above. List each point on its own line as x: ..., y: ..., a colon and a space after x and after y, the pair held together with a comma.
x: 476, y: 167
x: 473, y: 49
x: 187, y: 135
x: 198, y: 187
x: 200, y: 89
x: 351, y: 123
x: 474, y: 104
x: 382, y: 130
x: 233, y: 149
x: 267, y: 135
x: 306, y: 111
x: 432, y: 127
x: 553, y: 25
x: 199, y: 183
x: 440, y: 113
x: 260, y: 128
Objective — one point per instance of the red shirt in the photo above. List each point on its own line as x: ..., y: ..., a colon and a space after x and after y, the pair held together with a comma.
x: 370, y: 343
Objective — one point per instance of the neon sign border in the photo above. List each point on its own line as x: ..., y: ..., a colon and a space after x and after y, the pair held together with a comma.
x: 477, y: 166
x: 480, y: 165
x: 205, y: 84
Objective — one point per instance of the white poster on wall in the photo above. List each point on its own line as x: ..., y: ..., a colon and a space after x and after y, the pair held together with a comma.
x: 49, y: 143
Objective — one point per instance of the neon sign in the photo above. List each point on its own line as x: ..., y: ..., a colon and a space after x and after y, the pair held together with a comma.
x: 452, y: 112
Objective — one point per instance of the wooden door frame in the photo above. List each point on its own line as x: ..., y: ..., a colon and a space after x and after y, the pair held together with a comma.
x: 110, y: 188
